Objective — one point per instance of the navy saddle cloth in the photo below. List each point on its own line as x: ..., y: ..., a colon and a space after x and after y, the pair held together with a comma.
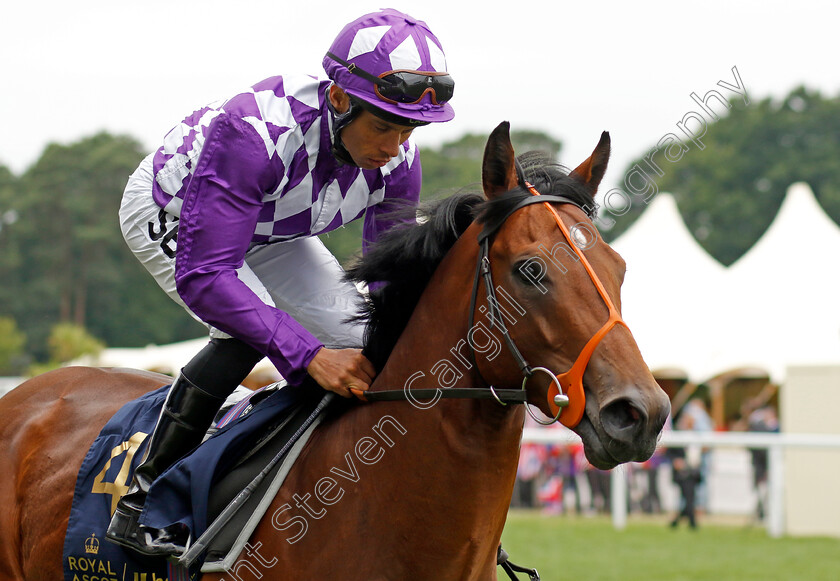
x: 181, y: 493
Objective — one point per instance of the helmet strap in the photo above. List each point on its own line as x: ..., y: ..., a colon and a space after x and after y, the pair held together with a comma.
x: 340, y: 121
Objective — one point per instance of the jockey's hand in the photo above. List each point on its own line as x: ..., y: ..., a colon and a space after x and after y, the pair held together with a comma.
x: 340, y: 370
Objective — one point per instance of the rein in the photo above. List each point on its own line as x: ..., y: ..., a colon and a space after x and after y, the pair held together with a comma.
x: 566, y: 395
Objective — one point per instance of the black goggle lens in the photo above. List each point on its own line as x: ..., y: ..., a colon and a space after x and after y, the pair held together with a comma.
x: 405, y: 86
x: 409, y: 87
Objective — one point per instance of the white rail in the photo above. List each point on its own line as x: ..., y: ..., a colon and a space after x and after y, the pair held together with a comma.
x: 774, y: 443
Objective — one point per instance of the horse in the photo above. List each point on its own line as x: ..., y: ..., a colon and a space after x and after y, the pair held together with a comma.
x: 490, y: 295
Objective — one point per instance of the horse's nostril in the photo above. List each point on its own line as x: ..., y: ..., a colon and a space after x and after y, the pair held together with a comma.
x: 620, y: 417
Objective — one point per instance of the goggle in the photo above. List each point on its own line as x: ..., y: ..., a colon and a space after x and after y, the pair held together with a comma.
x: 406, y: 87
x: 409, y: 87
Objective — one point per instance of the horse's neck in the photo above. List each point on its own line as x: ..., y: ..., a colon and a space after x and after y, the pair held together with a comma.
x: 437, y: 329
x: 432, y: 485
x: 479, y: 439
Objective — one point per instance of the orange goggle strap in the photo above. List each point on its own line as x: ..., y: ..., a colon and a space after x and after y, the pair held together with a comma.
x: 572, y: 380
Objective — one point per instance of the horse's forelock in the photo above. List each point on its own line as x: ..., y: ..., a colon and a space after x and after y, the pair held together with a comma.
x: 550, y: 177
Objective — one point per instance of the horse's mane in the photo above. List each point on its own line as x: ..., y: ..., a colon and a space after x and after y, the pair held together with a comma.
x: 399, y: 265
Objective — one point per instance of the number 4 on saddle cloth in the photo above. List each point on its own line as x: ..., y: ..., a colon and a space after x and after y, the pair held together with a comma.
x: 245, y: 439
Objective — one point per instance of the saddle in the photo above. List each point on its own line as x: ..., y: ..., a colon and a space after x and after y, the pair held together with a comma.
x: 232, y: 512
x: 251, y: 446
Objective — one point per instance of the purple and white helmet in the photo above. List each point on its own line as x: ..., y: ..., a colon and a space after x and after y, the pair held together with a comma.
x: 394, y: 63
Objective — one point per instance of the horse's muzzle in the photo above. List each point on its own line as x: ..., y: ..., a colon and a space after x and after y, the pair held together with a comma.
x: 632, y: 425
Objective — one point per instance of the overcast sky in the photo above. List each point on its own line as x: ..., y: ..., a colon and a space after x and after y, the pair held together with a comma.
x: 571, y: 69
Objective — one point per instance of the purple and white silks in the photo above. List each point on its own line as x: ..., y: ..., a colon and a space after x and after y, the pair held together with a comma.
x: 257, y: 169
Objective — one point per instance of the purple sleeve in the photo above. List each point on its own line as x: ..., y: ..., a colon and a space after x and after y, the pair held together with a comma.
x: 218, y: 219
x: 402, y: 192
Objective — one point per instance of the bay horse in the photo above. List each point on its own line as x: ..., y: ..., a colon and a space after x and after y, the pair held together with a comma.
x: 402, y: 490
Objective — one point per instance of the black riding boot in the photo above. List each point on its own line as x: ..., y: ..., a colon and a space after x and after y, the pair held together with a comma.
x: 186, y: 416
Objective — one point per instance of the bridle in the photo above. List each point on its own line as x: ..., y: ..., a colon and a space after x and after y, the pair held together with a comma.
x: 566, y: 396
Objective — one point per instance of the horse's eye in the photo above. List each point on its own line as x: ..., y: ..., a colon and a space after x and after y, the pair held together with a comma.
x: 531, y: 272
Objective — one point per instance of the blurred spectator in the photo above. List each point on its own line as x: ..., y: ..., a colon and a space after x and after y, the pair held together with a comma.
x: 599, y: 487
x: 531, y: 460
x: 763, y: 419
x: 688, y: 466
x: 650, y: 502
x: 695, y: 416
x: 561, y: 473
x: 530, y: 470
x: 685, y: 463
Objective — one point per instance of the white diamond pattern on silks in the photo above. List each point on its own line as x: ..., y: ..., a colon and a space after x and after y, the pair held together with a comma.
x: 357, y: 198
x: 264, y: 228
x: 261, y: 129
x: 172, y: 175
x: 175, y: 138
x: 303, y: 89
x: 300, y: 202
x: 410, y: 154
x: 436, y: 55
x: 366, y: 40
x: 274, y: 109
x: 174, y: 172
x: 289, y: 142
x: 295, y: 200
x: 312, y: 140
x: 406, y: 56
x: 330, y: 199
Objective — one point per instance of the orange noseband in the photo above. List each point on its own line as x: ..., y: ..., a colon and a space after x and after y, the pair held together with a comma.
x: 572, y: 380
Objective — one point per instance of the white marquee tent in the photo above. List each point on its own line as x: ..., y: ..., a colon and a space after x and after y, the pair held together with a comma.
x: 774, y: 307
x: 665, y: 297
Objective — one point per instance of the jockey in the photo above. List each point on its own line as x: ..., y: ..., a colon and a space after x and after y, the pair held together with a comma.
x: 225, y: 217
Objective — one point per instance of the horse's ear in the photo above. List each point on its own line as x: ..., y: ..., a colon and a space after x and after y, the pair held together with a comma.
x: 591, y: 171
x: 498, y: 170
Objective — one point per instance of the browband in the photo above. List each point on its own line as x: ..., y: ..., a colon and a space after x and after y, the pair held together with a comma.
x: 489, y: 231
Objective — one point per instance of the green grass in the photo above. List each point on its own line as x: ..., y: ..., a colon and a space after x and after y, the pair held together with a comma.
x: 589, y: 549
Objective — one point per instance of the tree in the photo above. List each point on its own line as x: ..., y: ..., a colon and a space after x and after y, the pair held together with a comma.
x: 9, y: 254
x: 11, y: 346
x: 73, y: 200
x: 12, y: 340
x: 67, y: 261
x: 729, y: 191
x: 67, y: 342
x: 457, y: 164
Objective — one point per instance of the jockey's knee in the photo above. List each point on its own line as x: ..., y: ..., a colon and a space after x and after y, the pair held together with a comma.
x: 222, y: 365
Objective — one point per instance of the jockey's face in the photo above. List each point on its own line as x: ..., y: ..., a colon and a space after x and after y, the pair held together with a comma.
x: 372, y: 142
